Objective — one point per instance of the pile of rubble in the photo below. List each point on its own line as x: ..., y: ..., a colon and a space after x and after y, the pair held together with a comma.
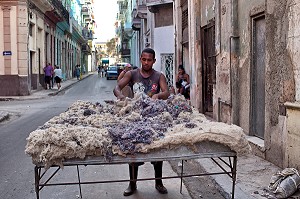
x: 131, y: 126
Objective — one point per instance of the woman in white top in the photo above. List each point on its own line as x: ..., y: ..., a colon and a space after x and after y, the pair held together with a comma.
x: 58, y: 76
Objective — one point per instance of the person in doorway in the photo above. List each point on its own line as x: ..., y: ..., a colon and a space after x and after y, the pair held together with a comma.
x: 183, y: 82
x: 154, y: 84
x: 58, y: 76
x: 48, y: 71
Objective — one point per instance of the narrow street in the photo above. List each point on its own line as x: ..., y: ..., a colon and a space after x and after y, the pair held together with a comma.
x: 17, y: 170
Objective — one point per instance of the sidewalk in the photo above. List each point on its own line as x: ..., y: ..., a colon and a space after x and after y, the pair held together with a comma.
x: 39, y: 94
x: 253, y: 173
x: 253, y: 177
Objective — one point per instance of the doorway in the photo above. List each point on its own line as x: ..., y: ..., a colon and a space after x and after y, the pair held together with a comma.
x: 257, y: 118
x: 209, y: 66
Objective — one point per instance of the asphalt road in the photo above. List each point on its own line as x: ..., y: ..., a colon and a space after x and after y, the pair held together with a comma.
x: 17, y: 170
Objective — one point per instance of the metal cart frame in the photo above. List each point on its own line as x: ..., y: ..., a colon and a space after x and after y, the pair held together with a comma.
x: 223, y: 156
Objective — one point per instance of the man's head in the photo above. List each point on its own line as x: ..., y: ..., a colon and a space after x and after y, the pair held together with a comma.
x: 181, y: 70
x: 147, y: 59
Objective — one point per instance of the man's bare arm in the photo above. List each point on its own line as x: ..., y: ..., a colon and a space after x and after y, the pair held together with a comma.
x: 164, y: 94
x: 121, y: 84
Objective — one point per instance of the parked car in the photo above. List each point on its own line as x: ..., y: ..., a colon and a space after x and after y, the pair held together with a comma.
x: 112, y: 72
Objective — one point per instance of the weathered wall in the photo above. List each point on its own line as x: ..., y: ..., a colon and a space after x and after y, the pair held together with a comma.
x: 280, y: 86
x: 292, y: 147
x: 234, y: 32
x: 163, y: 43
x: 292, y: 133
x: 222, y: 87
x: 293, y: 44
x: 13, y: 37
x: 247, y: 9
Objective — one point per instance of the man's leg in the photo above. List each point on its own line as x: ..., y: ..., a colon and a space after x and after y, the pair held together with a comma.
x: 158, y: 174
x: 133, y: 173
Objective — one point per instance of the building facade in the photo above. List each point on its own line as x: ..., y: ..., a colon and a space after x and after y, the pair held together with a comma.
x: 242, y: 58
x: 34, y: 33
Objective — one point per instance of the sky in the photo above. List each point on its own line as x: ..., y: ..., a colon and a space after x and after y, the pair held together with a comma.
x: 105, y: 16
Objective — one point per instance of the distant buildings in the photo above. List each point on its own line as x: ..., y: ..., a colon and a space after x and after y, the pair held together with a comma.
x: 36, y: 32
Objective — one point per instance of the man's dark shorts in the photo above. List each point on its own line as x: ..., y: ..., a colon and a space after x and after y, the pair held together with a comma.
x: 47, y: 79
x: 57, y: 79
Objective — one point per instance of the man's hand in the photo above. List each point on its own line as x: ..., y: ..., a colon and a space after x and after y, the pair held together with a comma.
x: 155, y: 96
x: 121, y: 97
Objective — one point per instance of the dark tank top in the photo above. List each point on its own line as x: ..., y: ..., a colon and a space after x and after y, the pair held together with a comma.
x: 149, y: 85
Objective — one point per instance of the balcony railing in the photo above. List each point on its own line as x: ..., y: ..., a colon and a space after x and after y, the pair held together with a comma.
x: 62, y: 10
x: 125, y: 52
x: 86, y: 48
x: 157, y: 2
x: 87, y: 34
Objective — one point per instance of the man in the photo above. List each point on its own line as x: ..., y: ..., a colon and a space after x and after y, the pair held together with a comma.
x: 48, y: 70
x: 154, y: 84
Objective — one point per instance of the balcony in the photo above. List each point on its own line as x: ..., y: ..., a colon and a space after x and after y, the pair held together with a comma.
x: 122, y: 5
x: 157, y: 2
x: 87, y: 34
x: 125, y: 52
x: 121, y: 16
x: 86, y: 48
x: 136, y: 24
x: 60, y: 9
x: 141, y: 12
x: 85, y: 10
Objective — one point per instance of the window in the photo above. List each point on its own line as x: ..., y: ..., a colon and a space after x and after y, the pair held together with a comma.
x: 30, y: 29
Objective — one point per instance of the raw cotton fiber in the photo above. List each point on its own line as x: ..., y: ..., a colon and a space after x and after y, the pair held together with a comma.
x: 131, y: 126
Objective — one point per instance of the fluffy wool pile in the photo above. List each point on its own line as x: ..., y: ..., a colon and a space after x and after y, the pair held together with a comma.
x: 131, y: 126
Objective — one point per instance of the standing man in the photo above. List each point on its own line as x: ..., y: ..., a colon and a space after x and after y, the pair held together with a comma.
x: 48, y: 71
x: 154, y: 84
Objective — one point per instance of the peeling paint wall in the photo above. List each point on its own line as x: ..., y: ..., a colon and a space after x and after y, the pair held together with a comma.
x: 293, y: 45
x: 234, y: 33
x: 280, y: 85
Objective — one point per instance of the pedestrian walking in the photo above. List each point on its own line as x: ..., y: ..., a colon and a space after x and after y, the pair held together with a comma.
x: 77, y: 72
x: 48, y: 71
x: 58, y: 76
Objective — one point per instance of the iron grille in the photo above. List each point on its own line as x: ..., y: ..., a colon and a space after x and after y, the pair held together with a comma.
x: 167, y: 61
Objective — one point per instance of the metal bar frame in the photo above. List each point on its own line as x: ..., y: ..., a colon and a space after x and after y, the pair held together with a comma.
x: 231, y: 165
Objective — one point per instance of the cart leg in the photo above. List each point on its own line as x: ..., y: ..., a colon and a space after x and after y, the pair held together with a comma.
x: 181, y: 174
x: 37, y: 181
x: 79, y: 182
x: 234, y: 175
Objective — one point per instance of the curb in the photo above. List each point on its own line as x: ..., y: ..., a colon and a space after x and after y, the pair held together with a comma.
x: 4, y: 116
x: 32, y: 96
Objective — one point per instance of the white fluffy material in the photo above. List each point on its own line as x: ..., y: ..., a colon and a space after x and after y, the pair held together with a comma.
x: 58, y: 140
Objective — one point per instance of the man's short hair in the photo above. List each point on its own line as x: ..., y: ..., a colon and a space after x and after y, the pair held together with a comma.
x: 149, y: 50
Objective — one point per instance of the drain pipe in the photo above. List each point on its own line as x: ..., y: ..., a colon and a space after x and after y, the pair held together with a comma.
x: 234, y: 63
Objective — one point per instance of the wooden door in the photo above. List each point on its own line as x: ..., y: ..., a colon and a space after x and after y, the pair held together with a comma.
x: 257, y: 119
x: 209, y: 66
